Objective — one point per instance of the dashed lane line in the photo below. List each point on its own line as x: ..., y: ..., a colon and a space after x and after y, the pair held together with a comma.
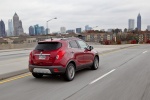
x: 102, y: 77
x: 145, y: 52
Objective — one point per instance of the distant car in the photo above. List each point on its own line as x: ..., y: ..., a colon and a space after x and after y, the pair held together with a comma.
x: 62, y: 57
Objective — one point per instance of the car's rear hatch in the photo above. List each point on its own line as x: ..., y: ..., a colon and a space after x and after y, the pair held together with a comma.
x: 45, y: 53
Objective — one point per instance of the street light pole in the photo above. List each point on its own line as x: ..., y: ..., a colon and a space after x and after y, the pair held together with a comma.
x: 47, y: 23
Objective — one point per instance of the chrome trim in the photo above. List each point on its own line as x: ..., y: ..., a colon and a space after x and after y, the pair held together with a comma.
x: 41, y: 70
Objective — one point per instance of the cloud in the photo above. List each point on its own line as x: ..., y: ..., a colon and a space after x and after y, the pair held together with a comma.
x: 75, y: 13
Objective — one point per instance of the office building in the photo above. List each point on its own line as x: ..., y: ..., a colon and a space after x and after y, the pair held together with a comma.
x: 10, y: 28
x: 2, y: 29
x: 31, y: 30
x: 42, y: 30
x: 20, y: 29
x: 139, y: 22
x: 17, y: 24
x: 70, y: 31
x: 36, y: 29
x: 78, y: 30
x: 131, y: 24
x: 148, y: 27
x: 63, y: 30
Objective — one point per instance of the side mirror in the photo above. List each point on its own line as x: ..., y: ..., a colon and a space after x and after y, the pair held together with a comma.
x: 91, y: 48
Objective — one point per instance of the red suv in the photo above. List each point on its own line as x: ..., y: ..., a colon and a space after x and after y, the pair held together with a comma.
x: 63, y: 57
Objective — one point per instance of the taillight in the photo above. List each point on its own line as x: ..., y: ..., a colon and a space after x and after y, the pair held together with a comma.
x: 60, y: 54
x: 30, y: 58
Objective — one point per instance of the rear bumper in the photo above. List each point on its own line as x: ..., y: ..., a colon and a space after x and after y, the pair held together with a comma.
x: 52, y: 69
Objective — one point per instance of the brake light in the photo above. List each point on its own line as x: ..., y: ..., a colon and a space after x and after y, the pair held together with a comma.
x: 60, y: 54
x: 30, y: 58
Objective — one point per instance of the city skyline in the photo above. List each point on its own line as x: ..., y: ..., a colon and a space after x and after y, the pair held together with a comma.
x: 105, y: 14
x: 39, y: 30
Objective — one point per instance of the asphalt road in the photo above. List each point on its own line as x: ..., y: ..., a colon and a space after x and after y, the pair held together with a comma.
x: 122, y: 75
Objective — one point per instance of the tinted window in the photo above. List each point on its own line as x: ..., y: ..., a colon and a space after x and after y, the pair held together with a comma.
x: 73, y: 44
x: 82, y: 44
x: 48, y: 46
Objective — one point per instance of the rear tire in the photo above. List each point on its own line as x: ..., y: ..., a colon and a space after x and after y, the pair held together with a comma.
x: 95, y: 64
x: 70, y: 72
x: 37, y: 75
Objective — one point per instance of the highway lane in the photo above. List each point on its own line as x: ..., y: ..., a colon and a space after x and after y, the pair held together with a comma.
x: 123, y: 75
x: 10, y: 55
x: 129, y: 81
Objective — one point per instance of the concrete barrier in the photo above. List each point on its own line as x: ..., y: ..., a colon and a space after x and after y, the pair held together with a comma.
x: 17, y: 46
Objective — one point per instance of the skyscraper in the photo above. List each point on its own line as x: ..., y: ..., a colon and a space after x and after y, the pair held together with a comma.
x: 131, y: 24
x: 16, y: 24
x: 31, y: 30
x: 42, y: 30
x: 37, y: 29
x: 2, y: 29
x: 139, y: 22
x: 10, y: 28
x: 18, y: 29
x: 63, y: 30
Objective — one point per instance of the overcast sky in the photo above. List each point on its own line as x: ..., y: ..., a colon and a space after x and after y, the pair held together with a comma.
x: 76, y: 13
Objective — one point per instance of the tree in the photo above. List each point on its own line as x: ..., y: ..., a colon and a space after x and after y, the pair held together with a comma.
x: 117, y: 30
x: 125, y: 30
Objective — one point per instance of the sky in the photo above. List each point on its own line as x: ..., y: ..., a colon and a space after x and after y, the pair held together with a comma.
x: 105, y: 14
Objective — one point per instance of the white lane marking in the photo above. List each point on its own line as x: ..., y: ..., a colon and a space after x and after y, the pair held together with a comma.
x: 102, y: 76
x: 144, y: 51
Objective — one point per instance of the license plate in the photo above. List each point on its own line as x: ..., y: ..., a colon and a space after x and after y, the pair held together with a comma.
x: 42, y: 57
x: 40, y: 70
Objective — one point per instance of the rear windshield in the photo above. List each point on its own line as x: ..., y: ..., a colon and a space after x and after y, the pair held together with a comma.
x: 48, y: 46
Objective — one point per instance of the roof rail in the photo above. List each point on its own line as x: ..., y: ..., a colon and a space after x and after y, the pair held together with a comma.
x: 69, y: 38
